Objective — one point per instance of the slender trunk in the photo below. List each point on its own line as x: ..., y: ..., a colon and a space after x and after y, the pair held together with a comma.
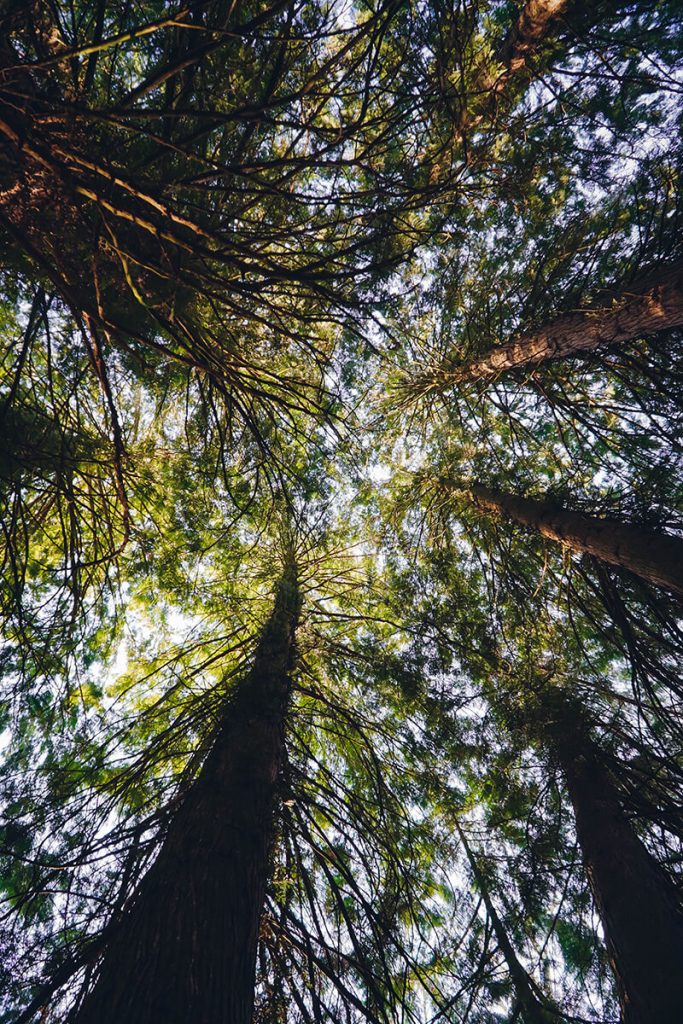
x: 655, y: 557
x: 637, y: 902
x: 185, y: 949
x: 655, y: 304
x: 529, y: 998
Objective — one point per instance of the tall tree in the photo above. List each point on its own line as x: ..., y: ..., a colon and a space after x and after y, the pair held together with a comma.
x: 157, y: 172
x: 185, y: 943
x: 639, y: 907
x: 483, y: 612
x: 655, y: 557
x: 650, y: 305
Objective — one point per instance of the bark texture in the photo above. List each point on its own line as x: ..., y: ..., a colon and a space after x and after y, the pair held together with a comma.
x: 185, y: 949
x: 655, y: 557
x: 654, y: 304
x: 532, y: 26
x: 636, y: 900
x: 535, y: 21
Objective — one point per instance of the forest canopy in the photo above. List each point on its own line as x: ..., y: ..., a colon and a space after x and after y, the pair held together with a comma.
x: 341, y: 506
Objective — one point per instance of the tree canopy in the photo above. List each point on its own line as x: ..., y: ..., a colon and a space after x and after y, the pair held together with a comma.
x: 341, y: 564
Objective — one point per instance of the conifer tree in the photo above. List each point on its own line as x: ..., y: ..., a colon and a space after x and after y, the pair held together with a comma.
x: 340, y: 512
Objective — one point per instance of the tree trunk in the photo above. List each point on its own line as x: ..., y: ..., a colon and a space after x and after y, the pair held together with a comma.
x: 185, y: 948
x: 637, y: 902
x: 655, y: 557
x: 532, y: 26
x: 655, y: 304
x: 531, y: 1001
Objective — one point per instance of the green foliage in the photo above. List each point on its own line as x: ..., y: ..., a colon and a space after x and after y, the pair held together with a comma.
x: 247, y: 251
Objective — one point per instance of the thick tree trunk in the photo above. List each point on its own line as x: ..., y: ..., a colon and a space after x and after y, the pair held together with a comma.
x: 655, y: 557
x: 655, y: 304
x: 637, y: 902
x: 185, y: 949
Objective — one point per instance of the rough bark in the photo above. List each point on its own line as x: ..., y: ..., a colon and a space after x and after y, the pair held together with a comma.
x: 533, y: 24
x: 637, y: 902
x: 654, y: 304
x: 185, y: 949
x: 653, y: 556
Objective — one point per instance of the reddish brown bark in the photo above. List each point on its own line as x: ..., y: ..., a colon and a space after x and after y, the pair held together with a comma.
x: 185, y: 949
x: 655, y: 557
x: 535, y: 21
x: 654, y: 304
x: 532, y: 25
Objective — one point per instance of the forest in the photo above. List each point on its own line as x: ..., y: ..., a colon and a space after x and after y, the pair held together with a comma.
x: 341, y: 506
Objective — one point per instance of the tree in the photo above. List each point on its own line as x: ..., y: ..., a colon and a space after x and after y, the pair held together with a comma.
x: 267, y: 607
x: 655, y: 557
x: 638, y: 905
x: 651, y: 305
x: 174, y: 224
x: 185, y: 942
x: 623, y: 874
